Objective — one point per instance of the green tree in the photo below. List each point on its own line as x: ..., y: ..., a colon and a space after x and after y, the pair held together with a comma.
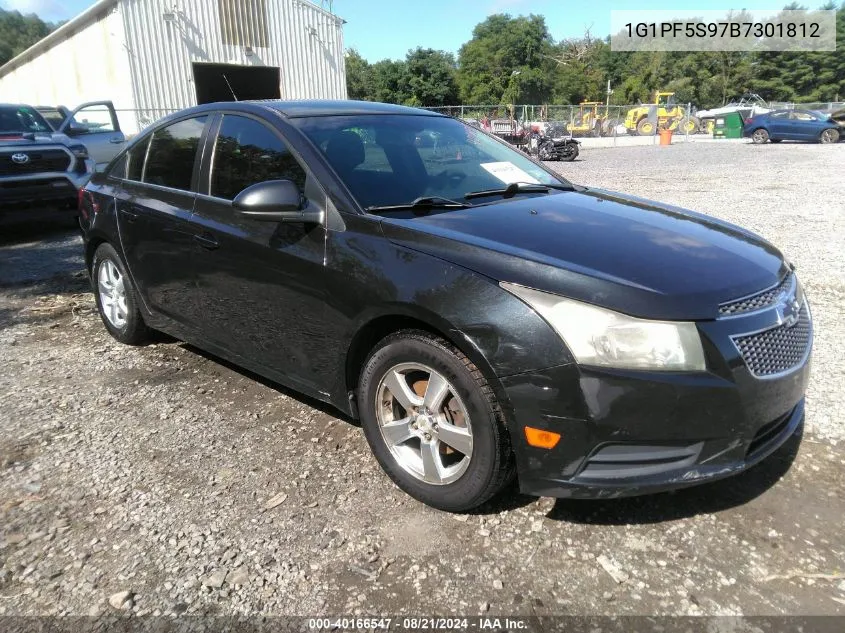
x: 390, y: 81
x: 506, y: 60
x: 358, y: 76
x: 431, y: 77
x: 18, y: 32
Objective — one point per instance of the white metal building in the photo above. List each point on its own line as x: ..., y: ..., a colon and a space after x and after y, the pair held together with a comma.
x: 151, y: 57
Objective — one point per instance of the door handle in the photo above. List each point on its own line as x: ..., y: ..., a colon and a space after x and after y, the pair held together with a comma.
x: 117, y: 140
x: 130, y: 216
x: 208, y: 242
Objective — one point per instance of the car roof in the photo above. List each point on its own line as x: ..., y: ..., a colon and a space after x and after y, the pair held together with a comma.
x: 306, y: 108
x: 325, y: 107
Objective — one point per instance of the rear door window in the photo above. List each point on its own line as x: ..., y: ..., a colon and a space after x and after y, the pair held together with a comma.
x: 172, y: 154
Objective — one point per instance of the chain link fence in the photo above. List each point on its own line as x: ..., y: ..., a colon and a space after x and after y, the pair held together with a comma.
x: 821, y: 106
x: 590, y: 119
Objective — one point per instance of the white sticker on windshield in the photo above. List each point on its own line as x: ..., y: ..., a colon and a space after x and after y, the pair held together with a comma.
x: 509, y: 173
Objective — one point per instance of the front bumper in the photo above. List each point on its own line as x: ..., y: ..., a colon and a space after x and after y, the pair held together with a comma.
x: 41, y: 196
x: 626, y: 432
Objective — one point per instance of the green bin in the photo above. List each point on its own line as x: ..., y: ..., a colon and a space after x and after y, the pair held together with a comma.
x: 728, y: 126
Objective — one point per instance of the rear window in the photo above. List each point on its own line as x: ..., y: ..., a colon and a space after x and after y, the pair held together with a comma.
x: 53, y: 116
x: 135, y: 158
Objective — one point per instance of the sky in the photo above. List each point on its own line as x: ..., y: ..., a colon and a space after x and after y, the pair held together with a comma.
x: 380, y: 29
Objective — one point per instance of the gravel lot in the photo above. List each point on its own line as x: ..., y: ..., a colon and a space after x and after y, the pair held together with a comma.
x: 163, y: 481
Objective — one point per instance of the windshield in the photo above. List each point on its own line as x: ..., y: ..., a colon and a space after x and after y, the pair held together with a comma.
x: 21, y: 119
x: 395, y: 159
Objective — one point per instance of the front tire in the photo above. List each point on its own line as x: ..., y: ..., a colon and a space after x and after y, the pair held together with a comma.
x: 433, y: 422
x: 829, y: 136
x: 116, y: 298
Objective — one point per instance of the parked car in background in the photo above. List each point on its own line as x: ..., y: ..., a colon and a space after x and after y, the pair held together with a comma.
x: 482, y: 316
x: 94, y: 124
x: 792, y: 125
x: 41, y: 170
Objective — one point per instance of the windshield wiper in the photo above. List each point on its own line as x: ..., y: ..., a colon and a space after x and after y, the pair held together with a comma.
x: 423, y: 202
x: 518, y: 187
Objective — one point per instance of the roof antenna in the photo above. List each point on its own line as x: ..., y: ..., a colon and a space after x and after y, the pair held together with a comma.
x: 226, y: 79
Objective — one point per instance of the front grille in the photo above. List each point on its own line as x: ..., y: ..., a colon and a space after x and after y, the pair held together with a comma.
x: 39, y: 162
x: 756, y: 302
x: 779, y: 349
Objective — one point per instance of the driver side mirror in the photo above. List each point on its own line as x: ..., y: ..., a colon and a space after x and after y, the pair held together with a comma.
x: 275, y: 201
x: 75, y: 129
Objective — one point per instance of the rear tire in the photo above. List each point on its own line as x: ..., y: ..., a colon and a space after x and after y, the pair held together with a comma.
x: 451, y: 452
x: 759, y: 136
x: 116, y: 298
x: 569, y: 152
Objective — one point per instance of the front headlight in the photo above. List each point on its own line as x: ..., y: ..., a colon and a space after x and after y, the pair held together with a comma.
x: 597, y: 336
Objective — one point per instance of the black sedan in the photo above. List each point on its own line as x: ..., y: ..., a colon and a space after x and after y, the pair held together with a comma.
x: 484, y: 318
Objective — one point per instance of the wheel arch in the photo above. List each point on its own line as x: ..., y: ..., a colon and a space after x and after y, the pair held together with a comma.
x: 834, y: 128
x: 92, y: 243
x: 379, y: 326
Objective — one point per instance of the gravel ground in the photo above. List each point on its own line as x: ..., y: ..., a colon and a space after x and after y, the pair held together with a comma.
x: 161, y: 480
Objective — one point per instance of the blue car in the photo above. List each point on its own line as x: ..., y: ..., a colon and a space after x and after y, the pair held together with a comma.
x: 793, y: 125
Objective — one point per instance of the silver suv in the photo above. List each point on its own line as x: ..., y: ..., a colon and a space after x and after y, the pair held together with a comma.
x: 93, y: 124
x: 41, y: 170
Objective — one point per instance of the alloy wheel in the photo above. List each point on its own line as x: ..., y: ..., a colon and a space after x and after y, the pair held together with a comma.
x: 112, y: 293
x: 424, y: 423
x: 829, y: 136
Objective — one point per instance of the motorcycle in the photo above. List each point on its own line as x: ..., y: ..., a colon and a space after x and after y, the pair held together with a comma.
x: 554, y: 145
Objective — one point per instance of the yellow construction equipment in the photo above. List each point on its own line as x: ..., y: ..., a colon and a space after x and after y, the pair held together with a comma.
x: 669, y: 116
x: 587, y: 121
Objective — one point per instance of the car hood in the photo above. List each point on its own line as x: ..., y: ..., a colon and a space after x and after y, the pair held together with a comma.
x: 31, y: 140
x: 628, y: 254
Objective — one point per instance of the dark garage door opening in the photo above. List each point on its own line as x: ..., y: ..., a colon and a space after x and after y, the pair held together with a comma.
x: 230, y: 82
